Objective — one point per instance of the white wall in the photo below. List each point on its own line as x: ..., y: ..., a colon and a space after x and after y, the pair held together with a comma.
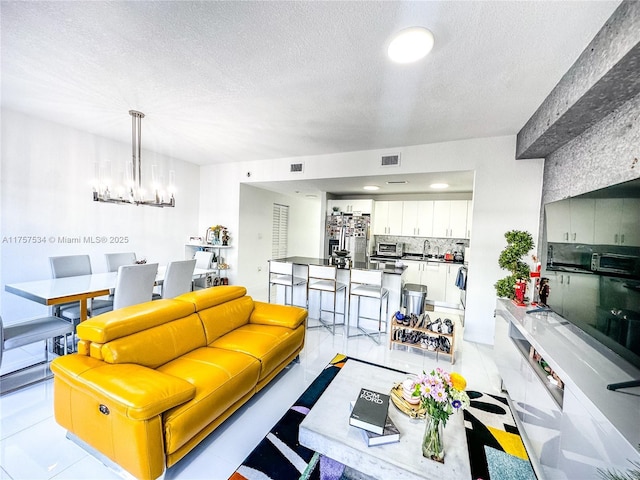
x: 506, y: 196
x: 46, y: 191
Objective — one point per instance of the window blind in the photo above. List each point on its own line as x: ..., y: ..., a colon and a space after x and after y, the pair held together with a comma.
x: 280, y: 231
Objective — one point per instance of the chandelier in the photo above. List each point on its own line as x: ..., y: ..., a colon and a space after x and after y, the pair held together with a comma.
x: 133, y: 193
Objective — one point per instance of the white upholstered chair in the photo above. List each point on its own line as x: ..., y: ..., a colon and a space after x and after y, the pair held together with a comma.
x: 178, y: 278
x: 203, y: 260
x: 116, y: 260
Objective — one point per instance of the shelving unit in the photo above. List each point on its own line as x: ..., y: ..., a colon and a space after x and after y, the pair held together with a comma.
x: 220, y: 273
x: 395, y: 327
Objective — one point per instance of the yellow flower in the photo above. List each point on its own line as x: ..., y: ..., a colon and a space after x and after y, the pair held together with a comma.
x: 458, y: 381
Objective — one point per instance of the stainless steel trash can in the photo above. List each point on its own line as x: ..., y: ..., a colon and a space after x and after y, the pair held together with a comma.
x: 413, y: 298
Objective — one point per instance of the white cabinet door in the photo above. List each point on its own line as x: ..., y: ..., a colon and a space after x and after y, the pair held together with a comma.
x: 469, y: 218
x: 452, y: 293
x: 435, y: 278
x: 607, y: 220
x: 413, y: 273
x: 629, y: 231
x: 409, y: 218
x: 351, y: 206
x: 450, y: 218
x: 441, y: 214
x: 582, y: 220
x: 557, y: 216
x: 380, y: 218
x: 395, y: 218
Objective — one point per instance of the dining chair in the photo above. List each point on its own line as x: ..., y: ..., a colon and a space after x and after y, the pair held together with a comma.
x: 31, y: 331
x: 178, y: 278
x: 134, y: 284
x: 281, y: 273
x: 368, y: 284
x: 203, y: 261
x: 322, y: 279
x: 116, y: 260
x: 72, y: 266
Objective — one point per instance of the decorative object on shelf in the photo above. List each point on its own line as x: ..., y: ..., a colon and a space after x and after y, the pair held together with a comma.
x: 514, y: 286
x: 132, y: 192
x: 225, y: 237
x: 213, y: 234
x: 441, y: 394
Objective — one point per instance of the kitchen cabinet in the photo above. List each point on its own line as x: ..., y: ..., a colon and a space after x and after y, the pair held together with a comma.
x: 417, y: 218
x: 571, y: 221
x: 439, y: 277
x: 450, y: 218
x: 387, y: 218
x: 616, y: 222
x: 573, y: 295
x: 351, y: 206
x: 413, y: 273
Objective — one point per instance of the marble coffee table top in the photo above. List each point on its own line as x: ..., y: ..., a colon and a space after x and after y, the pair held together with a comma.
x: 326, y: 430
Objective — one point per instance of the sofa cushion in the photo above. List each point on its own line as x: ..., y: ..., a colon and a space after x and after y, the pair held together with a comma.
x: 210, y: 297
x: 136, y: 318
x: 270, y: 344
x: 158, y: 345
x: 222, y: 319
x: 221, y: 378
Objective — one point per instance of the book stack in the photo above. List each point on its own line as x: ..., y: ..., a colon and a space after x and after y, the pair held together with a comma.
x: 370, y: 414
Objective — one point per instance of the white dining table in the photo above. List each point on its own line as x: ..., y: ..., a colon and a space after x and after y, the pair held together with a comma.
x: 56, y: 291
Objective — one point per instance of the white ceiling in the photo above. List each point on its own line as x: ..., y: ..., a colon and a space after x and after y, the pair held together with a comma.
x: 231, y: 81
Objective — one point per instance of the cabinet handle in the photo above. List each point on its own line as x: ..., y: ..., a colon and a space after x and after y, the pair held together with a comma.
x: 574, y: 237
x: 621, y: 239
x: 561, y: 279
x: 568, y: 279
x: 566, y: 236
x: 615, y: 238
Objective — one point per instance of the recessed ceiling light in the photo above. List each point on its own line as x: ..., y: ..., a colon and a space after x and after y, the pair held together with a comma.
x: 371, y: 187
x: 439, y: 186
x: 410, y: 45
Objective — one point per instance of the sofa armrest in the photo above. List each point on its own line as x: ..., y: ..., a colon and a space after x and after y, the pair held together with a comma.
x: 136, y: 392
x: 277, y: 315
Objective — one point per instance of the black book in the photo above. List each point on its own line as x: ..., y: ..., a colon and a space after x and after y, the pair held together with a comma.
x: 390, y: 434
x: 370, y: 411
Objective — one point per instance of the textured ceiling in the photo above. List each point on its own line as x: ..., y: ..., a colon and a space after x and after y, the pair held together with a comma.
x: 231, y: 81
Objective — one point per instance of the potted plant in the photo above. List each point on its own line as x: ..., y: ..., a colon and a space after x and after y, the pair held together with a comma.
x: 519, y: 243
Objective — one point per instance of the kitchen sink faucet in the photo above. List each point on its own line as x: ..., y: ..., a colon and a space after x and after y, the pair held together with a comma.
x: 426, y: 247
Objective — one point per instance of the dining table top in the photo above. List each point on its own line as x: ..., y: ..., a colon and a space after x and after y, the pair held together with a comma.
x: 53, y: 291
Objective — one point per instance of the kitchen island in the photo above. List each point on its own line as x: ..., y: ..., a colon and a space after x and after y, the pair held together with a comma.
x: 392, y: 280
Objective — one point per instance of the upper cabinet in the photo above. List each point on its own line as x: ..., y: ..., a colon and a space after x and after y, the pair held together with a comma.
x: 616, y: 221
x: 571, y: 221
x: 450, y: 218
x: 351, y: 206
x: 417, y: 218
x: 387, y: 218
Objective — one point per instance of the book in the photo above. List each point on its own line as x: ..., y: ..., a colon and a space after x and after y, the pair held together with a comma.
x: 390, y: 434
x: 370, y: 411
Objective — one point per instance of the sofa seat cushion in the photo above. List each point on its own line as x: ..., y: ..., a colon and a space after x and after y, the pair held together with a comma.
x: 221, y: 378
x: 270, y: 344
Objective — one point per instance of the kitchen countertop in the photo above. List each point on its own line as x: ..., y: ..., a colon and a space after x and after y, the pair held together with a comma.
x: 369, y: 265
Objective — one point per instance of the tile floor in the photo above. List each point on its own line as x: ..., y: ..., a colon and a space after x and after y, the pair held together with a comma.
x: 33, y: 446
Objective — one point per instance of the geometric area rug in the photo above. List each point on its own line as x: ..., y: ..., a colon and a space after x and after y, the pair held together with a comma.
x: 496, y: 450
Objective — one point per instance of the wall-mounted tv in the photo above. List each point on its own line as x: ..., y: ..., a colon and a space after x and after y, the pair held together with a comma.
x: 591, y: 255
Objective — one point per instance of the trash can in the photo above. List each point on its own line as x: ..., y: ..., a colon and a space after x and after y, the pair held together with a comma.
x: 413, y: 298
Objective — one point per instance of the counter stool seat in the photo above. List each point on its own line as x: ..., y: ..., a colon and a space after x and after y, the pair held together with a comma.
x: 368, y: 284
x: 324, y: 279
x: 281, y: 273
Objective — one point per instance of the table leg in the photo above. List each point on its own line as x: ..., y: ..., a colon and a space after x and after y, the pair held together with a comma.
x: 83, y: 309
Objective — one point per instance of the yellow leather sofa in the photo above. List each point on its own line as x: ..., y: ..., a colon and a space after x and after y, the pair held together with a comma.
x: 149, y: 382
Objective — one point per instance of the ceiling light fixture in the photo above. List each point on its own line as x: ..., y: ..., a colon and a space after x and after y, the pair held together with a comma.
x: 410, y: 45
x: 371, y: 187
x: 133, y: 193
x: 439, y: 186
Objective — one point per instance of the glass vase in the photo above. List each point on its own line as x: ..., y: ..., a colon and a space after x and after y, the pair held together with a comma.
x: 432, y: 444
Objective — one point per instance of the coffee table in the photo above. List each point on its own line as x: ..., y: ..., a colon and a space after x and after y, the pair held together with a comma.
x: 326, y: 430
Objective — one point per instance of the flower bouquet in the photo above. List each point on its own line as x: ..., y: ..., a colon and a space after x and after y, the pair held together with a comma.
x: 440, y: 394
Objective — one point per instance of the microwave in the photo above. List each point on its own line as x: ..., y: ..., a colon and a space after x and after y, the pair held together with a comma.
x: 615, y: 263
x: 387, y: 249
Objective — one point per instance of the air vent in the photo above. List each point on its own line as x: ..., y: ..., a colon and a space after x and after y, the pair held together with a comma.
x: 390, y: 161
x: 297, y: 168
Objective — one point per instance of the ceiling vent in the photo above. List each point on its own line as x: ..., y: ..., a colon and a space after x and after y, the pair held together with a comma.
x: 390, y: 160
x: 296, y: 168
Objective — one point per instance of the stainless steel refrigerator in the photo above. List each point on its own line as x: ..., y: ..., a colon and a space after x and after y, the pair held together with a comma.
x: 349, y: 232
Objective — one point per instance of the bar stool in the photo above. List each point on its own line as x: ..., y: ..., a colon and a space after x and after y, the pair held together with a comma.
x: 281, y: 273
x: 324, y: 279
x: 368, y: 283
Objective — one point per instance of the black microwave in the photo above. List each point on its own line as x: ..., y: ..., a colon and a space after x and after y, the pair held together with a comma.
x: 615, y: 263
